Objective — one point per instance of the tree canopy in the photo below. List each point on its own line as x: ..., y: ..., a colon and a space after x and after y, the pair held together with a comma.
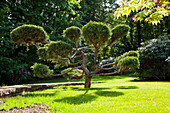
x: 150, y: 11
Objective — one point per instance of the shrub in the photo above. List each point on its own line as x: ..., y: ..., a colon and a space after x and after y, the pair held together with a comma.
x: 41, y: 70
x: 153, y: 55
x: 128, y: 63
x: 11, y: 72
x: 74, y: 74
x: 129, y: 53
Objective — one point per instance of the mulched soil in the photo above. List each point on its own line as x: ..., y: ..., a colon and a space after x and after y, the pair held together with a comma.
x: 42, y: 108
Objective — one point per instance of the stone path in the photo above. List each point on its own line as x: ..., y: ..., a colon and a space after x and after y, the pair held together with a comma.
x: 20, y: 89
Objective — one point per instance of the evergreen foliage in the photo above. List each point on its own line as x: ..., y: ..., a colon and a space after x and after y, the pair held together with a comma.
x: 73, y: 33
x: 59, y: 49
x: 119, y: 31
x: 126, y: 54
x: 41, y: 70
x: 128, y: 63
x: 74, y: 74
x: 96, y: 34
x: 28, y: 34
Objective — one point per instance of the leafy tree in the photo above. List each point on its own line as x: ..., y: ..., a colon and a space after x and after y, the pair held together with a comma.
x: 97, y: 36
x: 96, y: 10
x: 149, y: 11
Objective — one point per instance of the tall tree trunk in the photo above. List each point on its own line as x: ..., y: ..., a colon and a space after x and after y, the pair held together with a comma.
x: 139, y: 33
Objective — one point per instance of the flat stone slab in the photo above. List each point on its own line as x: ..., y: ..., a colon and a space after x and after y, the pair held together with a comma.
x: 19, y: 89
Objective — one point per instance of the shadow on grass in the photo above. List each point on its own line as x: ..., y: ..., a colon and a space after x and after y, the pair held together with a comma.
x: 103, y: 78
x: 109, y: 93
x: 40, y: 94
x: 127, y: 87
x: 87, y: 89
x: 80, y: 99
x: 136, y: 80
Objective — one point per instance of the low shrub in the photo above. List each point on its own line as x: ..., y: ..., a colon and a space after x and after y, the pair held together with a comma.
x: 41, y: 70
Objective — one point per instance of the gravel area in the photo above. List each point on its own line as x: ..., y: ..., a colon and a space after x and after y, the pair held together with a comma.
x: 42, y: 108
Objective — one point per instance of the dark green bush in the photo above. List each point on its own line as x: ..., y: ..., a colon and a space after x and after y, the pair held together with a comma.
x: 28, y: 34
x: 74, y: 74
x: 41, y: 70
x: 153, y: 55
x: 11, y: 72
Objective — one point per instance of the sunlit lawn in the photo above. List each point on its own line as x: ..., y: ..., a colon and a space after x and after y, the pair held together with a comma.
x: 116, y: 95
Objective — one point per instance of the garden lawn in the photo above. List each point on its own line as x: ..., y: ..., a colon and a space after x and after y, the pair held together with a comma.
x: 116, y: 95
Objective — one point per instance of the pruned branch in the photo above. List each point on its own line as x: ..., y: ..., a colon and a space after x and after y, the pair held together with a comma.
x: 107, y: 68
x: 76, y: 63
x: 68, y: 71
x: 75, y: 57
x: 108, y: 64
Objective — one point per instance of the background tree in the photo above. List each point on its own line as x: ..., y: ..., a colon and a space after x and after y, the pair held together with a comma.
x: 96, y: 35
x: 53, y: 15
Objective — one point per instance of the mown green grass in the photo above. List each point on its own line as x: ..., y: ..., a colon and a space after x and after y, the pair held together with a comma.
x: 116, y: 95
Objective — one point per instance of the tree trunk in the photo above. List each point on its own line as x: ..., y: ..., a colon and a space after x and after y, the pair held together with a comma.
x: 87, y: 81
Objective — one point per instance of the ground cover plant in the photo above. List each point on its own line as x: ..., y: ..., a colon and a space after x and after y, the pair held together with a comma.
x: 118, y: 94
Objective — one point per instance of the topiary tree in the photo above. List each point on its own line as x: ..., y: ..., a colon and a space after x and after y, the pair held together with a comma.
x: 97, y: 36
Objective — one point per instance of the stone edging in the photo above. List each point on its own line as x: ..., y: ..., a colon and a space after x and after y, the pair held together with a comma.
x: 20, y: 89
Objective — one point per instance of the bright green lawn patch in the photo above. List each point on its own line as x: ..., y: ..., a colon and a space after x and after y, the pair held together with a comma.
x: 117, y: 95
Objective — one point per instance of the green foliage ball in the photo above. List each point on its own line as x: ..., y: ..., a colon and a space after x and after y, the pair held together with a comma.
x: 74, y: 74
x: 129, y: 53
x: 41, y: 70
x: 59, y: 49
x: 73, y: 33
x: 119, y: 31
x: 96, y: 34
x: 28, y: 34
x: 128, y: 63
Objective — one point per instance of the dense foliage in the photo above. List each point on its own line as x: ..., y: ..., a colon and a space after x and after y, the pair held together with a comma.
x: 96, y: 34
x: 128, y: 61
x: 153, y: 55
x: 41, y: 70
x: 75, y: 38
x: 26, y: 33
x: 75, y: 74
x: 149, y: 11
